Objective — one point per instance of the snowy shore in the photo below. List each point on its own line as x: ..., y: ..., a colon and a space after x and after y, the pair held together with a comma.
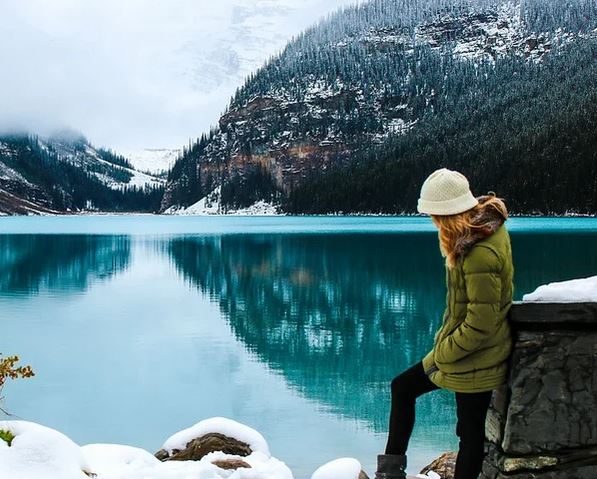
x: 38, y: 452
x: 32, y: 451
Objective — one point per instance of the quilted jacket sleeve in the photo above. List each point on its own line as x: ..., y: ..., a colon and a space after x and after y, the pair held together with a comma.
x: 429, y: 363
x: 482, y: 279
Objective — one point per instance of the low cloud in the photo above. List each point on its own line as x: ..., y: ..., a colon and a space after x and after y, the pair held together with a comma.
x: 139, y: 73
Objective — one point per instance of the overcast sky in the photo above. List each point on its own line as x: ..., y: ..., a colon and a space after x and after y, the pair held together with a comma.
x: 132, y: 74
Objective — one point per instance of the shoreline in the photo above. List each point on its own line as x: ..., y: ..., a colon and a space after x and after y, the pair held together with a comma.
x: 279, y: 215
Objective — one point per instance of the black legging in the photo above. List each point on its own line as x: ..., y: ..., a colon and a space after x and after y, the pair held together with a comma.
x: 471, y: 410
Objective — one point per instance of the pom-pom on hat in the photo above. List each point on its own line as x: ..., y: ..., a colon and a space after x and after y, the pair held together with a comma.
x: 445, y: 192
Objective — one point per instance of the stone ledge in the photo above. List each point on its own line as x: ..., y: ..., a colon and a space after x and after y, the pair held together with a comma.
x: 553, y: 315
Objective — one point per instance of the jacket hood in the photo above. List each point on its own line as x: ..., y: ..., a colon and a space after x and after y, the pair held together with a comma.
x: 490, y: 217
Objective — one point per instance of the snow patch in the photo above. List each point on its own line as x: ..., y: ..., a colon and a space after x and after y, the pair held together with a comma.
x: 429, y: 475
x: 6, y: 150
x: 487, y: 34
x: 496, y: 35
x: 210, y: 205
x: 9, y: 174
x: 138, y: 179
x: 571, y: 291
x: 399, y: 126
x: 342, y: 468
x: 115, y: 458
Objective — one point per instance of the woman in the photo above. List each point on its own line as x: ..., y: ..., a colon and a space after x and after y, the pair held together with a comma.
x: 473, y: 344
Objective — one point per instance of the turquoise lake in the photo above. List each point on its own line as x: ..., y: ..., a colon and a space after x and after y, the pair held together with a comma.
x: 139, y: 326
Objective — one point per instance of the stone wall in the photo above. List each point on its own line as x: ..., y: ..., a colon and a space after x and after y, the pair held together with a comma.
x: 543, y: 423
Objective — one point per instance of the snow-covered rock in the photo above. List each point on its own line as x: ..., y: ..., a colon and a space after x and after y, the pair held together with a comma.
x: 342, y: 468
x: 572, y: 291
x: 39, y: 452
x: 221, y: 425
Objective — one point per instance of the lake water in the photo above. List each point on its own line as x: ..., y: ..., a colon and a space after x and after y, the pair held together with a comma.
x: 138, y: 326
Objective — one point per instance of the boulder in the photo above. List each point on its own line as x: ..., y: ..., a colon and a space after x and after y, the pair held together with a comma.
x: 444, y: 465
x: 201, y: 446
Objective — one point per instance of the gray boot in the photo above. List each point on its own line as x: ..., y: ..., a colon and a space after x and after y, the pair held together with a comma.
x: 391, y: 466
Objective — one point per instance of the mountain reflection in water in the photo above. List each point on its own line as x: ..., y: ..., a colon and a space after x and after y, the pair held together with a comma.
x: 339, y: 315
x: 30, y: 263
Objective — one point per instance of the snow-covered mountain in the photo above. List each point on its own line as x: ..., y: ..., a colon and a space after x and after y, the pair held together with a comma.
x: 155, y: 161
x: 363, y: 76
x: 64, y: 172
x: 108, y: 167
x: 243, y: 36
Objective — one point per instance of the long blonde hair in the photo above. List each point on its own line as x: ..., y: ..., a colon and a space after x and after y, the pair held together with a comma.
x: 453, y: 229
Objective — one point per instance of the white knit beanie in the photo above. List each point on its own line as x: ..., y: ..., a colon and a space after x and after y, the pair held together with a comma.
x: 445, y: 192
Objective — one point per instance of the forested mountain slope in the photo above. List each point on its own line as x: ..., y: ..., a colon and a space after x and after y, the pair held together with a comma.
x: 356, y: 111
x: 529, y: 134
x: 65, y: 173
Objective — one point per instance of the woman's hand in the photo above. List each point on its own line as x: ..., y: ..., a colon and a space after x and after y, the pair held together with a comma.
x: 429, y: 365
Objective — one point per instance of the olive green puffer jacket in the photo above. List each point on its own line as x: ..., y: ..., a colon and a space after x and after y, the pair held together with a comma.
x: 472, y: 346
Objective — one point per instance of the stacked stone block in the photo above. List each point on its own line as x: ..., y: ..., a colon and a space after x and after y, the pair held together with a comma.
x: 543, y: 423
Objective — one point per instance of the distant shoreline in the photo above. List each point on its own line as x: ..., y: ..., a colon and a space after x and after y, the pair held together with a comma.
x: 328, y: 215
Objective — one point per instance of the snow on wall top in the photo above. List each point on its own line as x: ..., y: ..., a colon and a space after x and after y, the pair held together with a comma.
x: 582, y: 290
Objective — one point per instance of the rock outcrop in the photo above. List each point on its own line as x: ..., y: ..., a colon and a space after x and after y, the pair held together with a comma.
x: 231, y: 464
x: 443, y: 465
x: 201, y: 446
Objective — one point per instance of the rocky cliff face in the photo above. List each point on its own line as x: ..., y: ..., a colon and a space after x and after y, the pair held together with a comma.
x: 354, y: 81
